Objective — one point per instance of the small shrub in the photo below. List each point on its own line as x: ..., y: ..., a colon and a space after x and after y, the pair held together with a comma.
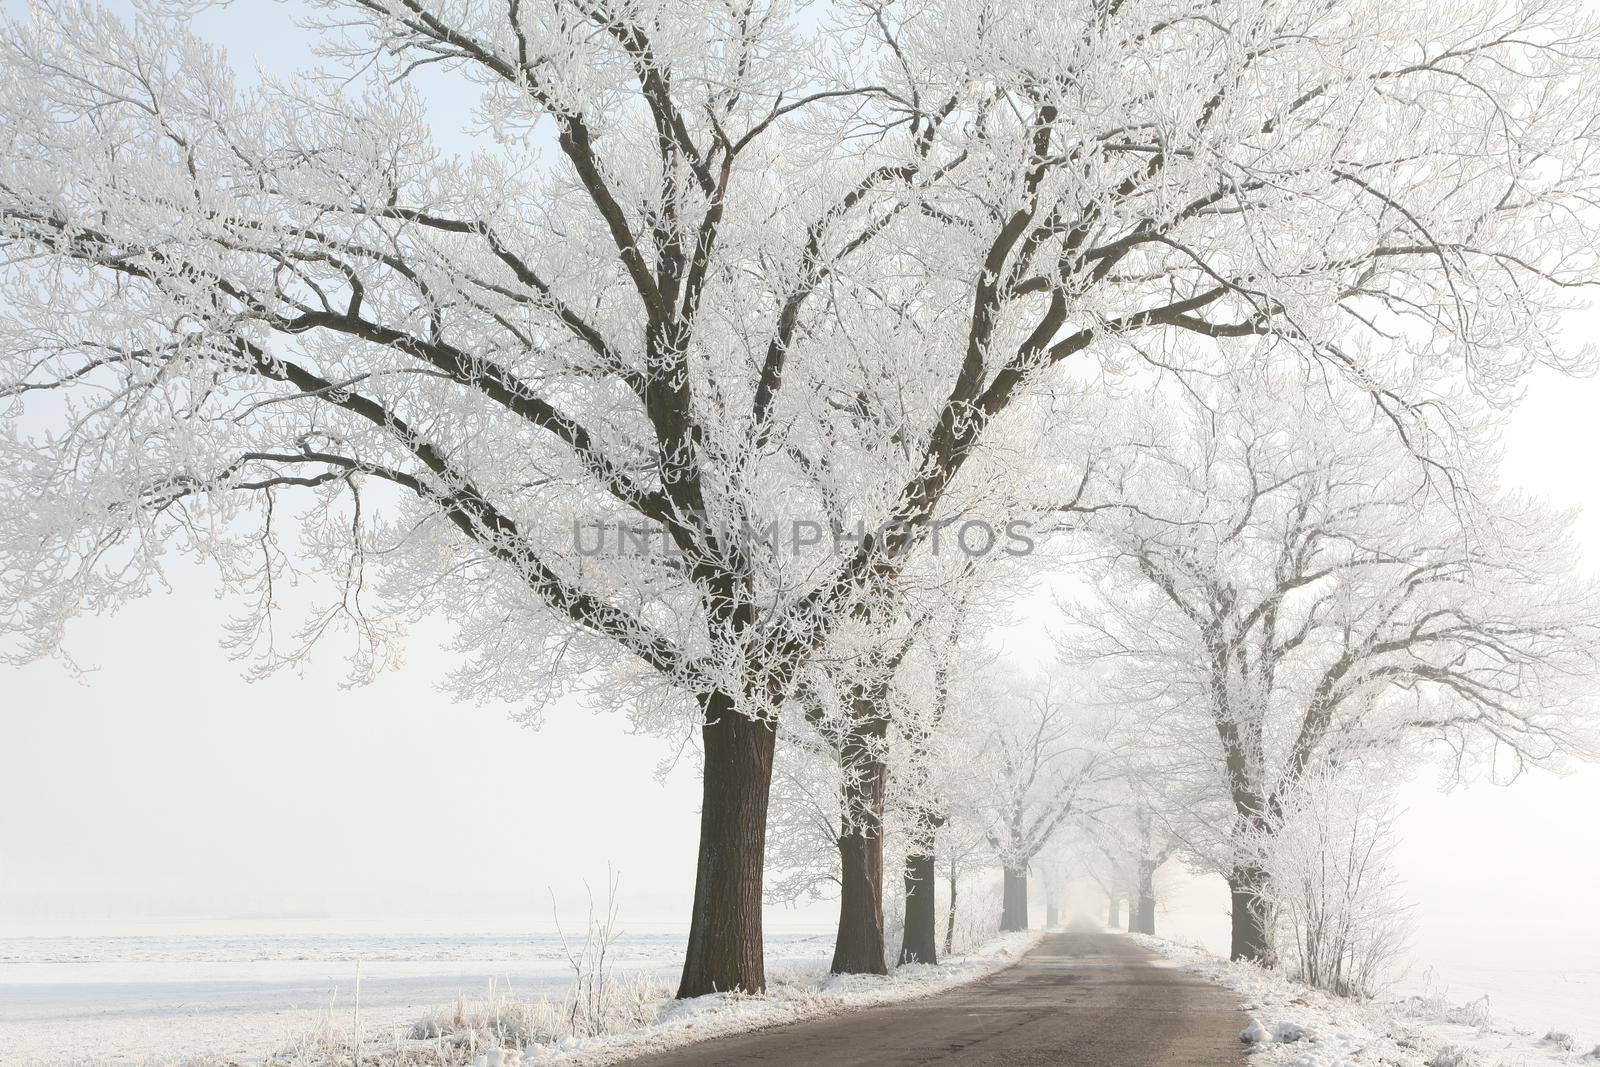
x: 1559, y: 1039
x: 1341, y: 921
x: 498, y: 1028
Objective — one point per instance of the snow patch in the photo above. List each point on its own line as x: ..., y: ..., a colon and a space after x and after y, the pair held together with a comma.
x: 794, y: 994
x: 1295, y: 1026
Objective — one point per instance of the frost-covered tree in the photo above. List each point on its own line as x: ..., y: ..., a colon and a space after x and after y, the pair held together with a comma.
x: 877, y: 716
x: 1036, y: 755
x: 841, y: 791
x: 693, y: 244
x: 848, y: 716
x: 937, y: 693
x: 1295, y: 596
x: 1150, y: 844
x: 871, y: 706
x: 1342, y: 923
x: 634, y: 308
x: 1125, y: 842
x: 923, y: 766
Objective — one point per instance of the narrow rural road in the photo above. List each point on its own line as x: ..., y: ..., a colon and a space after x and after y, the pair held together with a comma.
x: 1079, y: 999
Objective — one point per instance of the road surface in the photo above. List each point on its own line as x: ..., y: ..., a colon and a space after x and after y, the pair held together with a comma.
x: 1080, y: 999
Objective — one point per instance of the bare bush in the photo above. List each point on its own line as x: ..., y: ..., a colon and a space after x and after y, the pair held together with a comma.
x: 592, y: 985
x: 589, y: 1008
x: 494, y: 1030
x: 1341, y: 923
x: 977, y: 910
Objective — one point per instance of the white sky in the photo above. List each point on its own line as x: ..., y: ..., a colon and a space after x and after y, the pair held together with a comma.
x: 165, y: 787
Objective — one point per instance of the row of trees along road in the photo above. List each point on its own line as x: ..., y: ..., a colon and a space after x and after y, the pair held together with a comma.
x: 708, y: 267
x: 1294, y: 598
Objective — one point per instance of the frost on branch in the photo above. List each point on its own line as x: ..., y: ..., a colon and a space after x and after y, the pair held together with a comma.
x: 1293, y: 596
x: 703, y: 247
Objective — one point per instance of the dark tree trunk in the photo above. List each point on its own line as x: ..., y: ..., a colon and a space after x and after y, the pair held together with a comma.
x: 919, y: 942
x: 1145, y: 919
x: 1014, y: 903
x: 858, y: 946
x: 725, y: 951
x: 1142, y: 915
x: 1247, y: 887
x: 950, y: 919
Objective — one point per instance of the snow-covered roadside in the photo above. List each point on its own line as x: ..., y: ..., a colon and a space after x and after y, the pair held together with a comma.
x: 794, y: 993
x: 485, y: 1033
x: 1301, y: 1027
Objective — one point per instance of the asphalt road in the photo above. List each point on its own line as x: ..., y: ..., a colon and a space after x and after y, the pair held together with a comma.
x: 1079, y: 999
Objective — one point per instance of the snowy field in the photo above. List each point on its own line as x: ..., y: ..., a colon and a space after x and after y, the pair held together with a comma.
x: 154, y: 998
x: 205, y: 1000
x: 214, y: 996
x: 1540, y: 979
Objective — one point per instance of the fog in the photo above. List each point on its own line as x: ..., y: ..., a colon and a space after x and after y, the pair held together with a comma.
x: 160, y: 787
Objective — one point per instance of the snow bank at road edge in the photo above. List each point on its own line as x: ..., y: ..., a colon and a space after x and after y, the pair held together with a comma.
x: 1308, y: 1028
x: 795, y: 993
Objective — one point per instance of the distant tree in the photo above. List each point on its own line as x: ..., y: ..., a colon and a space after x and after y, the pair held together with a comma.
x: 1035, y: 757
x: 872, y: 705
x: 855, y: 727
x: 1151, y: 845
x: 961, y: 849
x: 926, y: 814
x: 1294, y: 596
x: 1123, y: 843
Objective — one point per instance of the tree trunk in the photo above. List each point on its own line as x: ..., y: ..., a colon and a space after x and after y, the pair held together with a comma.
x: 1247, y: 887
x: 725, y: 951
x: 858, y: 946
x: 1114, y: 913
x: 1142, y: 917
x: 1052, y: 913
x: 950, y: 919
x: 918, y: 943
x: 1014, y: 904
